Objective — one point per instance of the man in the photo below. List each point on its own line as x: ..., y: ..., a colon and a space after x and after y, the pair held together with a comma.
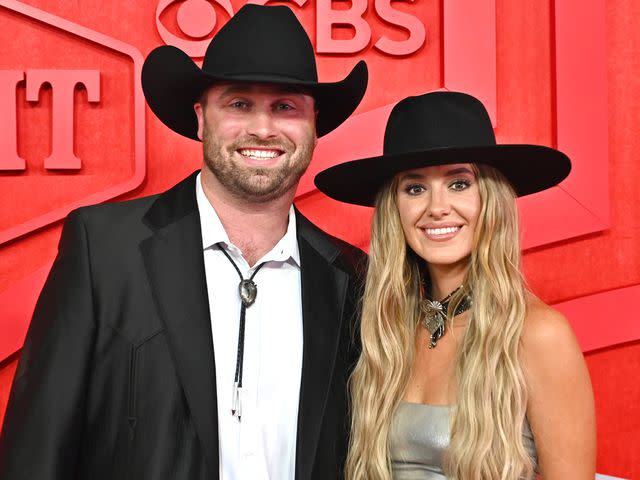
x: 205, y: 332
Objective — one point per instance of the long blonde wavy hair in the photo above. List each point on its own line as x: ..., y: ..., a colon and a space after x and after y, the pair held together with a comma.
x: 487, y: 418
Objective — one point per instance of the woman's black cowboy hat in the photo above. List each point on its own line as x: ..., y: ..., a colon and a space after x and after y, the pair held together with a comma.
x: 258, y: 44
x: 441, y: 128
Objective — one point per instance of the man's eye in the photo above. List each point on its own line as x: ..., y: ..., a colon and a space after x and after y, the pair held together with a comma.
x: 459, y: 185
x: 284, y: 107
x: 414, y: 189
x: 239, y: 104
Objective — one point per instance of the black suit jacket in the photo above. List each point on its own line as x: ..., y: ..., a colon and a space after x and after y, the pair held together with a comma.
x: 117, y: 378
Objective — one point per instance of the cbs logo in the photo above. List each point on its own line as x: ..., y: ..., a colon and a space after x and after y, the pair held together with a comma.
x: 195, y: 19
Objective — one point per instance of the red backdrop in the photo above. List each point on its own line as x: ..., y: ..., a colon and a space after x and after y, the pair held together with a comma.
x: 560, y: 73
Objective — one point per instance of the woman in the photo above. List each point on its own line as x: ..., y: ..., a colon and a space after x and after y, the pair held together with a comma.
x: 464, y: 374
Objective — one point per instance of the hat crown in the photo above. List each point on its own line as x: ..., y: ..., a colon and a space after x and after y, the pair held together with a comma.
x: 437, y: 120
x: 262, y: 40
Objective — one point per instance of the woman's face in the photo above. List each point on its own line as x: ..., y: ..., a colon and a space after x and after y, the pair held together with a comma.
x: 439, y: 208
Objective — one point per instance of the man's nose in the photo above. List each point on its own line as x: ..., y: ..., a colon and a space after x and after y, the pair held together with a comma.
x: 262, y: 124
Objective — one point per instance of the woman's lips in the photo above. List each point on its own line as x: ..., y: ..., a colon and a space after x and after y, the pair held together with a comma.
x: 441, y: 234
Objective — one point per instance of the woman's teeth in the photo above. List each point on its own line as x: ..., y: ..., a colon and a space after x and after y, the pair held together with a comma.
x: 441, y: 231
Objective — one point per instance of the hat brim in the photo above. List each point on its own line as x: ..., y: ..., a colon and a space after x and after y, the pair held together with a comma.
x: 529, y: 169
x: 172, y: 83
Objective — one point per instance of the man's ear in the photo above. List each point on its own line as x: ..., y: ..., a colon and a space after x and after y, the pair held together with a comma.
x: 199, y: 109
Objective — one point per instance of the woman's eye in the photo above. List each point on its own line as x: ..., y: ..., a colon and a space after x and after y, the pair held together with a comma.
x: 460, y: 185
x: 414, y: 189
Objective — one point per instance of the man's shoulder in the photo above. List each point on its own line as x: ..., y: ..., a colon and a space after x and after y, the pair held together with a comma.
x: 349, y: 255
x: 115, y: 213
x: 338, y: 252
x: 123, y: 215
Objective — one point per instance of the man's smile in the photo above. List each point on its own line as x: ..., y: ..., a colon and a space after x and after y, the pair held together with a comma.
x: 260, y: 156
x: 260, y: 153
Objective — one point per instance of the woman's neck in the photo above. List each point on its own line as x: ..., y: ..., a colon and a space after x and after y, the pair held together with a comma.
x: 444, y: 279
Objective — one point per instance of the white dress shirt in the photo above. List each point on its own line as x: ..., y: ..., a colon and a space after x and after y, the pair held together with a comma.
x: 262, y: 445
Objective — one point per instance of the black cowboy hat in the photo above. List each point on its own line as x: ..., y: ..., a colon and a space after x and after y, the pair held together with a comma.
x: 441, y: 128
x: 258, y: 44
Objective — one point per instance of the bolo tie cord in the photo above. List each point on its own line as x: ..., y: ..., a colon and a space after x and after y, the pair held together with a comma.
x: 247, y: 290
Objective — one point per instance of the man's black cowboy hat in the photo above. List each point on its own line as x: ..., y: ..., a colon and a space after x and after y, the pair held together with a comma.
x: 258, y: 44
x: 441, y: 128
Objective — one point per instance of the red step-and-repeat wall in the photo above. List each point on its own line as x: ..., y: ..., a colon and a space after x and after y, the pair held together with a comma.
x: 74, y: 130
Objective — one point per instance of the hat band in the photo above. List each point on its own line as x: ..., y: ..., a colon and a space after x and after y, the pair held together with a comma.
x: 275, y: 77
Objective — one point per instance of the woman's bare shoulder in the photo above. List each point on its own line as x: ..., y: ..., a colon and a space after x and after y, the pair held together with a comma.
x: 546, y: 329
x: 550, y: 351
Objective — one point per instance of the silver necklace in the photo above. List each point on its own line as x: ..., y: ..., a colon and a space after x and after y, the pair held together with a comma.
x: 435, y: 315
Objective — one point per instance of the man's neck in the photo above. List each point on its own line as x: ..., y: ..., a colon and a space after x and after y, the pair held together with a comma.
x: 254, y: 227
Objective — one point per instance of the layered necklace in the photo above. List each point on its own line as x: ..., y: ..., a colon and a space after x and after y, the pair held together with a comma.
x: 435, y: 314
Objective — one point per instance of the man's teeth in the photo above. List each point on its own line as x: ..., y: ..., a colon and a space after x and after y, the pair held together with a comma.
x: 259, y: 153
x: 441, y: 231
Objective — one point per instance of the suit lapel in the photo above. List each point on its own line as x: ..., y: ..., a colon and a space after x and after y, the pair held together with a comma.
x: 174, y: 261
x: 324, y: 289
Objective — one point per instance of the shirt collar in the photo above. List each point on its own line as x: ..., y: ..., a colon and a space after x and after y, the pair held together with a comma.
x: 213, y: 231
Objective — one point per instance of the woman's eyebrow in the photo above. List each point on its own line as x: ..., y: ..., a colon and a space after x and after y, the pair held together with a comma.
x: 458, y: 171
x: 411, y: 176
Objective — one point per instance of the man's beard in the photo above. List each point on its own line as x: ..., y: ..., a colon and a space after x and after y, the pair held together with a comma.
x: 254, y: 183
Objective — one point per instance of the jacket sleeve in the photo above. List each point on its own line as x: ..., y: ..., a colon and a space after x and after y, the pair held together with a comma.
x: 44, y: 421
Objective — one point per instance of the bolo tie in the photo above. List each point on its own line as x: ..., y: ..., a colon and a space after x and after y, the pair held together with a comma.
x: 247, y: 290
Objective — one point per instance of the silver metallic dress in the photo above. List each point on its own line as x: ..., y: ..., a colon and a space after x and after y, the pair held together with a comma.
x: 419, y: 438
